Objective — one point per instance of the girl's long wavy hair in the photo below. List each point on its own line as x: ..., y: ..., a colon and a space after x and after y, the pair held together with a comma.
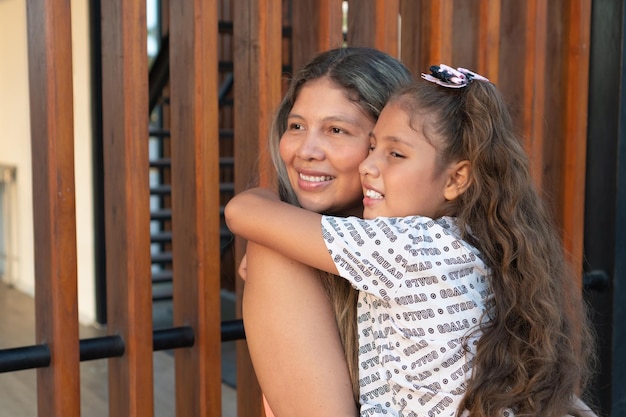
x: 368, y: 77
x: 534, y: 353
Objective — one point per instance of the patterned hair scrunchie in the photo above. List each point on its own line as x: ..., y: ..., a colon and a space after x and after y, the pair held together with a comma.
x: 453, y: 78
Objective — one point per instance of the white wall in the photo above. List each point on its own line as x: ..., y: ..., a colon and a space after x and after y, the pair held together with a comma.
x: 15, y: 143
x: 15, y: 131
x: 83, y: 160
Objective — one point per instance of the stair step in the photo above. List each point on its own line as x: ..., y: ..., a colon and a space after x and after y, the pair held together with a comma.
x: 162, y: 276
x: 161, y: 294
x: 166, y: 189
x: 228, y: 161
x: 161, y: 237
x: 163, y: 214
x: 161, y: 257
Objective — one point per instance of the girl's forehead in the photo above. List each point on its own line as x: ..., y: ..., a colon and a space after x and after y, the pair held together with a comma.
x: 396, y: 112
x: 397, y: 120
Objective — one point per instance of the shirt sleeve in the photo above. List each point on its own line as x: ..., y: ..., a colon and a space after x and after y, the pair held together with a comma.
x: 377, y: 255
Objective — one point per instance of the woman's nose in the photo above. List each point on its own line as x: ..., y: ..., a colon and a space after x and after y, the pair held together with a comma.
x: 311, y: 147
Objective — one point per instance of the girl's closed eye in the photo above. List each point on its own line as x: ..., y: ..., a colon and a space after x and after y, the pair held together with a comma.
x: 395, y: 154
x: 372, y: 143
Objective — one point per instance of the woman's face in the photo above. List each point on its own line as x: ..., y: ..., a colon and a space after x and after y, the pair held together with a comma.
x: 326, y: 139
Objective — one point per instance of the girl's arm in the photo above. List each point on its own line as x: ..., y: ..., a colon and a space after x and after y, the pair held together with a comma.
x: 259, y: 216
x: 293, y: 339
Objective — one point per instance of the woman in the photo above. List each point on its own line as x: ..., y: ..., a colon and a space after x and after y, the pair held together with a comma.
x: 318, y: 139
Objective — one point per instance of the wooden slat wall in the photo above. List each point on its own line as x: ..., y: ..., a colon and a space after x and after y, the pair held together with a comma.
x: 533, y: 99
x: 196, y: 203
x: 54, y: 208
x: 127, y: 215
x: 489, y: 38
x: 577, y: 20
x: 316, y: 26
x: 374, y: 23
x: 536, y: 51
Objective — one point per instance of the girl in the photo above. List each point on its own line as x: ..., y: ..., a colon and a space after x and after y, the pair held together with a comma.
x: 465, y: 299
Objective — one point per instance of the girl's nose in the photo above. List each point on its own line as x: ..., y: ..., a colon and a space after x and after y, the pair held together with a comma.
x: 369, y: 166
x: 311, y: 147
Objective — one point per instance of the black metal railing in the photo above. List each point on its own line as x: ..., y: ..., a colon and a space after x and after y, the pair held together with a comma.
x: 38, y: 356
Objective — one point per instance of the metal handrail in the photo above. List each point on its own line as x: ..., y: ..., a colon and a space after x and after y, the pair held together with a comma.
x: 38, y: 356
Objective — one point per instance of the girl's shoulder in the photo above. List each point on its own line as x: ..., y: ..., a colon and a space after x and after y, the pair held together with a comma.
x: 447, y: 225
x: 413, y: 230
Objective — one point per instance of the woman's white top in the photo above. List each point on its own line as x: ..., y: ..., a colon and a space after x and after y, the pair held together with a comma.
x: 422, y: 295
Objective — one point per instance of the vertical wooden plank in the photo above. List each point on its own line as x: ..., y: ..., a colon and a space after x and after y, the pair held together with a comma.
x: 316, y: 26
x: 436, y: 33
x: 127, y: 214
x: 257, y: 62
x: 330, y: 20
x: 410, y: 29
x: 196, y: 203
x: 465, y: 35
x: 374, y: 23
x: 534, y: 95
x: 489, y: 39
x: 54, y: 205
x: 575, y: 111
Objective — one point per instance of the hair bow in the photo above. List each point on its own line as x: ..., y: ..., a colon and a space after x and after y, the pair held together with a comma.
x: 450, y: 77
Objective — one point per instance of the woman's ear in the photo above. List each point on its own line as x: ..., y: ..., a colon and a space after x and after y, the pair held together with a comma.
x: 459, y: 179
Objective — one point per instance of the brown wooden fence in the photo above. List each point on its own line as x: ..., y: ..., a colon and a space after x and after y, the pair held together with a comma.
x: 537, y: 51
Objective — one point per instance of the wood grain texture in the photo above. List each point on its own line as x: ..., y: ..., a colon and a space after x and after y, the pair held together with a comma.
x: 127, y: 213
x: 257, y: 62
x: 54, y: 205
x: 196, y: 203
x: 489, y: 39
x: 374, y: 23
x: 534, y: 97
x: 436, y: 24
x: 575, y: 111
x: 316, y: 26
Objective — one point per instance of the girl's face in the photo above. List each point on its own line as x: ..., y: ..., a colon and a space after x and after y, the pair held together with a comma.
x: 402, y: 175
x: 326, y: 139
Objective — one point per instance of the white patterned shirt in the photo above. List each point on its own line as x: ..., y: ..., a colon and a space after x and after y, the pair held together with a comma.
x: 422, y: 295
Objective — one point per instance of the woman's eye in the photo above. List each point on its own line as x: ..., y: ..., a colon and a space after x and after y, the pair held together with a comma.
x: 336, y: 130
x: 295, y: 126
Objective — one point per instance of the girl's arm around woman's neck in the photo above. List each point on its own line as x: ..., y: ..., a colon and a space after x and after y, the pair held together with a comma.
x: 259, y: 216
